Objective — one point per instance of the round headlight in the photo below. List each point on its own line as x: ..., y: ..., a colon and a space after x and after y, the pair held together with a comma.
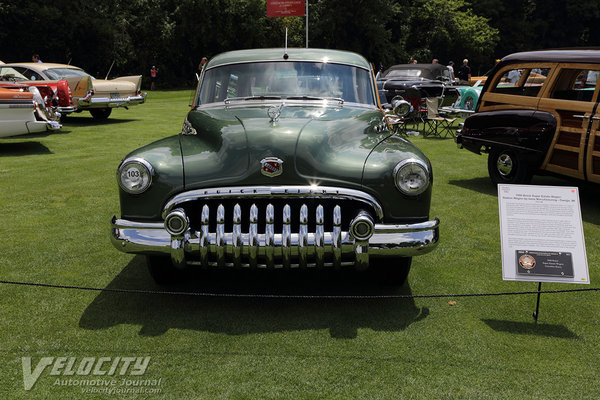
x: 135, y: 175
x: 401, y: 107
x: 411, y: 176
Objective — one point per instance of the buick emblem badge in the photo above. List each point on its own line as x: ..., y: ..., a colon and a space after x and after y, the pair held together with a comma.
x: 274, y: 112
x: 271, y: 166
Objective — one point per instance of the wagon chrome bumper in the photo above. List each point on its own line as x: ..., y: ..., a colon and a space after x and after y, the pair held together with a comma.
x: 263, y: 250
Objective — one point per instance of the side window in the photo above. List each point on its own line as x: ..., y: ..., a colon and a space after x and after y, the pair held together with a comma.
x: 575, y: 84
x: 522, y: 81
x: 29, y: 74
x: 12, y: 74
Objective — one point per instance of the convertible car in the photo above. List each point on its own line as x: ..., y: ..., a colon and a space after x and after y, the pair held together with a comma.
x: 414, y: 82
x: 98, y: 96
x: 285, y: 160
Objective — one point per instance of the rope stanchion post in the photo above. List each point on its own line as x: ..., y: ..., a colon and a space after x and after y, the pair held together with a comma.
x: 536, y: 313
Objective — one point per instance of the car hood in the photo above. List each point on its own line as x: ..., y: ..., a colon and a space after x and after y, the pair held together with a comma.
x: 317, y: 145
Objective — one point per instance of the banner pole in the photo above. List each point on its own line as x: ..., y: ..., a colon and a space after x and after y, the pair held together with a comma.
x: 307, y: 24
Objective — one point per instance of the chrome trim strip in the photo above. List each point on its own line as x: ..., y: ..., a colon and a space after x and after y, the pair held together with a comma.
x: 269, y: 234
x: 303, y: 235
x: 337, y: 236
x: 237, y: 242
x: 319, y: 236
x: 220, y: 239
x: 240, y: 192
x: 204, y: 235
x: 253, y: 242
x: 286, y: 236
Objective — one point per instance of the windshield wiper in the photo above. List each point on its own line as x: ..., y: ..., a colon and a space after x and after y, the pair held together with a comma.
x: 268, y: 97
x: 338, y: 99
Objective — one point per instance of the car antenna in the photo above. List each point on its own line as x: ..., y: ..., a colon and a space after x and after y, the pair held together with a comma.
x: 111, y: 65
x: 285, y: 54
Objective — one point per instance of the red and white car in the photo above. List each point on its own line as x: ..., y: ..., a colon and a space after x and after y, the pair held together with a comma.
x: 98, y: 96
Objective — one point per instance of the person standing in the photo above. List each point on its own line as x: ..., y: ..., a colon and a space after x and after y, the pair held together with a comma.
x: 153, y: 76
x: 451, y: 69
x: 464, y: 73
x: 36, y: 58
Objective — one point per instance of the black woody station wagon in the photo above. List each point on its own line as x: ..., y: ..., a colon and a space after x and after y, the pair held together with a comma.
x: 538, y: 112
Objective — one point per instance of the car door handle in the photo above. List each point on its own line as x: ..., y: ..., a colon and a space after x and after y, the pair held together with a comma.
x: 581, y: 116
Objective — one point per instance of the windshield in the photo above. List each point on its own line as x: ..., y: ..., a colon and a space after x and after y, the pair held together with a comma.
x: 404, y: 74
x: 287, y: 79
x: 61, y: 73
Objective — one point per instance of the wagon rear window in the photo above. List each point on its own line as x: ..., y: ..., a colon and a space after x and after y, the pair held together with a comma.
x: 575, y: 84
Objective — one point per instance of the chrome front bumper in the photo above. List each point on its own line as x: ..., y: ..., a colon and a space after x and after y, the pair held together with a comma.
x: 269, y: 249
x: 111, y: 102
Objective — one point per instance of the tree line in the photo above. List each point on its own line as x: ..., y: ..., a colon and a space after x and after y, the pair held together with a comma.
x: 174, y: 35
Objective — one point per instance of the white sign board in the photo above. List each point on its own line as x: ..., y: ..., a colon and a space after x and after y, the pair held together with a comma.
x: 542, y: 234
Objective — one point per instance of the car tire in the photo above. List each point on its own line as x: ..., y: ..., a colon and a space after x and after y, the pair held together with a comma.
x: 100, y: 113
x: 391, y: 271
x: 508, y: 166
x: 161, y: 269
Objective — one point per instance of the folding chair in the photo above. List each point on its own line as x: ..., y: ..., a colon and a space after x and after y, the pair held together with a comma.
x: 438, y: 123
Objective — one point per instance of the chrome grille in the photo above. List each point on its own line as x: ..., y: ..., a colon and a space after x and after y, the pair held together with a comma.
x: 277, y: 235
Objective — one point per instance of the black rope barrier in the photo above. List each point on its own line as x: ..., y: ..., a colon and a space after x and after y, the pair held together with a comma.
x: 291, y: 296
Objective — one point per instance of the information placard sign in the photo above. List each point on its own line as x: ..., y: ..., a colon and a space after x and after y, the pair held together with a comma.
x: 542, y: 234
x: 285, y: 8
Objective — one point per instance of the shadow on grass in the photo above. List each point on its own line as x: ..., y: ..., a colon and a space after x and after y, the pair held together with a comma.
x: 530, y: 328
x: 88, y: 120
x: 157, y: 313
x: 22, y: 149
x: 588, y: 192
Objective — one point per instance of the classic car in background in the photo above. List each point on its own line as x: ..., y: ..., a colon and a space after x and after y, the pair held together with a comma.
x: 284, y: 160
x: 538, y: 113
x: 468, y: 97
x: 98, y: 96
x: 56, y: 94
x: 418, y: 81
x: 22, y: 111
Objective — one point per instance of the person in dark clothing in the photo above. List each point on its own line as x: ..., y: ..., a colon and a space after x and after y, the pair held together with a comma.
x: 464, y: 73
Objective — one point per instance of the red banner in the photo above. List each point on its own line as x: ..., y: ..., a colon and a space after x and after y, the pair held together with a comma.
x: 285, y: 8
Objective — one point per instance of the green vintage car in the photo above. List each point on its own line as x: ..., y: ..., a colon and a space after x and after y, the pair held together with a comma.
x: 285, y: 160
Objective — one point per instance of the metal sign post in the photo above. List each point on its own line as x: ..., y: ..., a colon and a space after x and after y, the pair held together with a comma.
x: 307, y: 24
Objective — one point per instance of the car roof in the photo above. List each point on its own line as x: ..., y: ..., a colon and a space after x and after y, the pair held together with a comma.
x: 39, y: 66
x: 587, y: 55
x: 430, y: 69
x: 294, y: 54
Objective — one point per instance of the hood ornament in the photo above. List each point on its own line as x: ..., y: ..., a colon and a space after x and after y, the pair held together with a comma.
x: 271, y: 166
x: 274, y: 112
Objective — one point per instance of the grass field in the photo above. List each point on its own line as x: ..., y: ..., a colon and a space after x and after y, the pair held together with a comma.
x: 58, y: 192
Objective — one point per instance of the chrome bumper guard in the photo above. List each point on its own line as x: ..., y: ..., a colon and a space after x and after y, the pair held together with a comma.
x: 267, y: 250
x: 66, y: 110
x: 110, y: 102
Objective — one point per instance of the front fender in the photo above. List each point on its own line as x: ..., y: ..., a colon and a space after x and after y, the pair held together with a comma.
x: 378, y: 178
x: 165, y: 157
x: 525, y: 131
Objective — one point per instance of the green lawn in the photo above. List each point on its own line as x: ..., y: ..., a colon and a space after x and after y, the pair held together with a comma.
x: 58, y: 192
